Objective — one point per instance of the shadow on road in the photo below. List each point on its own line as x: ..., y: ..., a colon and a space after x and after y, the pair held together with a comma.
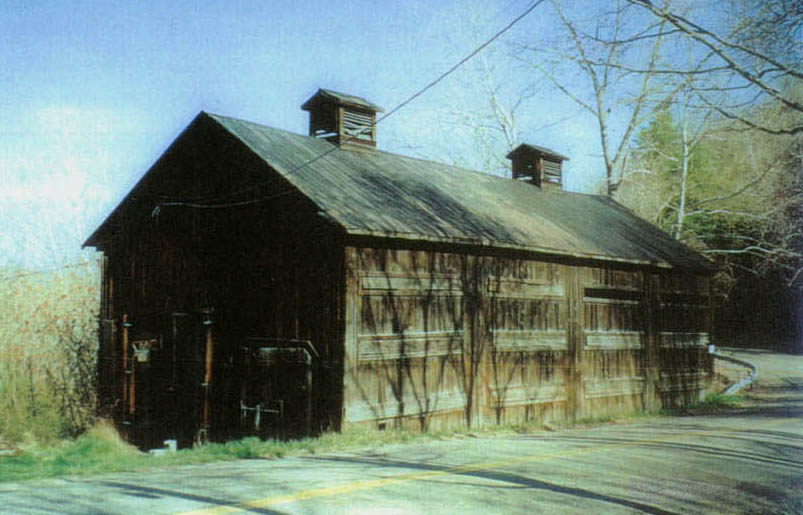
x: 718, y: 452
x: 158, y: 493
x: 506, y: 477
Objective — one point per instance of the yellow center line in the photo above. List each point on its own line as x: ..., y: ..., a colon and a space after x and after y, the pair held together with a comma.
x: 369, y: 484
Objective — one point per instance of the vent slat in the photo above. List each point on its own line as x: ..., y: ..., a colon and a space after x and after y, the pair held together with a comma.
x: 357, y: 117
x: 551, y: 171
x: 357, y: 125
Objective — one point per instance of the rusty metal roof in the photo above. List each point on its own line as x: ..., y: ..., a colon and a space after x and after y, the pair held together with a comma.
x: 390, y: 195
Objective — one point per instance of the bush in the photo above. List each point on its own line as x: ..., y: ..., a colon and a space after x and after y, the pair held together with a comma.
x: 714, y: 401
x: 48, y: 347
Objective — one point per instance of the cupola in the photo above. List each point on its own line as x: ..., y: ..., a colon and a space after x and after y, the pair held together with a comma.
x: 345, y: 120
x: 538, y: 165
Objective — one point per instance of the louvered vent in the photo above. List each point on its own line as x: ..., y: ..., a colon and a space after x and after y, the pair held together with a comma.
x: 345, y: 120
x: 358, y: 125
x: 538, y: 165
x: 551, y: 171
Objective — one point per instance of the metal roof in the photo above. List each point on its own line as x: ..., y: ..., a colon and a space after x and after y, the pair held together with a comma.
x: 389, y: 195
x: 323, y: 95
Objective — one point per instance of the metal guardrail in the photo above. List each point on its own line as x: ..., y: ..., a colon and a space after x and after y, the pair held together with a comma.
x: 741, y: 383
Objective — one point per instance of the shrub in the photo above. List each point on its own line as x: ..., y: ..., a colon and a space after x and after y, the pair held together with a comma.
x: 48, y: 346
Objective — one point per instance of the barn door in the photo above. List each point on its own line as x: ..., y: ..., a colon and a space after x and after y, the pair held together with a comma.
x: 612, y: 343
x: 276, y: 388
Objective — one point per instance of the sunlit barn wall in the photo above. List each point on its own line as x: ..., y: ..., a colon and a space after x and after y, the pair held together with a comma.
x: 438, y: 339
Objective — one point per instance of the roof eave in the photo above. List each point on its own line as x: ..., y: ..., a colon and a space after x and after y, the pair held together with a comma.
x: 517, y: 247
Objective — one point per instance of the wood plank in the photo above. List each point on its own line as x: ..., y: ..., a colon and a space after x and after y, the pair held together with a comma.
x: 532, y: 340
x: 680, y: 340
x: 613, y: 387
x: 573, y: 278
x: 518, y: 394
x: 679, y: 381
x: 651, y: 363
x: 613, y: 339
x: 615, y: 279
x: 380, y: 347
x: 362, y: 410
x: 417, y: 284
x: 523, y: 289
x: 600, y: 300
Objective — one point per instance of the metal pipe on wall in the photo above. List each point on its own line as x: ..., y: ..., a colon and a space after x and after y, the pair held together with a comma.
x: 208, y: 362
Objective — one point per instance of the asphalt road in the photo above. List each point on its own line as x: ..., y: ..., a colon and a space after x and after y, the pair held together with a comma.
x: 747, y: 460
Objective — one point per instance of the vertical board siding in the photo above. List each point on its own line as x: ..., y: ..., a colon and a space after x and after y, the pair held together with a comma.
x: 436, y: 339
x: 529, y: 345
x: 683, y: 324
x: 613, y: 358
x: 447, y: 339
x: 418, y: 339
x: 257, y: 276
x: 404, y: 353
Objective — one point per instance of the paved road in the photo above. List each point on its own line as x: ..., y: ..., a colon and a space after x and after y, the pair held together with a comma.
x: 749, y: 460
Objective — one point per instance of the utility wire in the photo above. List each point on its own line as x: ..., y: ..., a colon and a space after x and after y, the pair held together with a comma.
x: 462, y: 61
x: 294, y: 170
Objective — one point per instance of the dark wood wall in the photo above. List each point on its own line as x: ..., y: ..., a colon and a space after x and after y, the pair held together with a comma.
x: 180, y: 276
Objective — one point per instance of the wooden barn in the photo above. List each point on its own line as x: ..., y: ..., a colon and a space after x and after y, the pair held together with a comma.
x: 260, y: 282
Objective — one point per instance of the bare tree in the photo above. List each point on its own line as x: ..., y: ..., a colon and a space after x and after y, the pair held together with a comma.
x: 742, y: 72
x: 604, y: 51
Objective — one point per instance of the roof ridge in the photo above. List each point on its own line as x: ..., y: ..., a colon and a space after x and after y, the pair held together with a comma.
x: 394, y: 154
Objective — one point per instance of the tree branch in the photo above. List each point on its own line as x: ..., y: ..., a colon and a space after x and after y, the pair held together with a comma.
x: 697, y: 33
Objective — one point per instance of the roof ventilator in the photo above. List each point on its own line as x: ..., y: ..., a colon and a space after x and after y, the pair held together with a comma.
x: 345, y: 120
x: 538, y: 165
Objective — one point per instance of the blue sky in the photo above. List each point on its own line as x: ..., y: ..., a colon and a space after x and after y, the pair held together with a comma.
x: 92, y: 92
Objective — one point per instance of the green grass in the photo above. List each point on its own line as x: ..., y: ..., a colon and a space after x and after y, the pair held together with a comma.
x: 101, y: 450
x: 715, y: 401
x: 97, y: 450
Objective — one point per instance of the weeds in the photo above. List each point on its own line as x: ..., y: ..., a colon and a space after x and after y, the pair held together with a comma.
x: 101, y: 450
x: 716, y: 401
x: 48, y: 342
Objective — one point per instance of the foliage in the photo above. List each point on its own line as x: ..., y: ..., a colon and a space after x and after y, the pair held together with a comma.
x: 715, y: 401
x: 741, y: 204
x: 48, y: 342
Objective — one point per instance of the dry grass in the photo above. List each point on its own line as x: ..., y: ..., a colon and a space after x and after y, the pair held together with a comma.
x: 48, y: 342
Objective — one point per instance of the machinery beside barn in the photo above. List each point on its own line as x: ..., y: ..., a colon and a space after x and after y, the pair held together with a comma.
x: 259, y: 282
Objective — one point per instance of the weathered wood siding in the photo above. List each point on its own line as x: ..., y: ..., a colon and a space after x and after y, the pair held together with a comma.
x: 528, y: 340
x: 683, y: 322
x: 405, y: 337
x: 274, y: 271
x: 612, y: 364
x: 436, y: 339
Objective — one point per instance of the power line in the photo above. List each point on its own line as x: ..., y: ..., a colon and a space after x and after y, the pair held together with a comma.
x: 294, y: 170
x: 463, y: 60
